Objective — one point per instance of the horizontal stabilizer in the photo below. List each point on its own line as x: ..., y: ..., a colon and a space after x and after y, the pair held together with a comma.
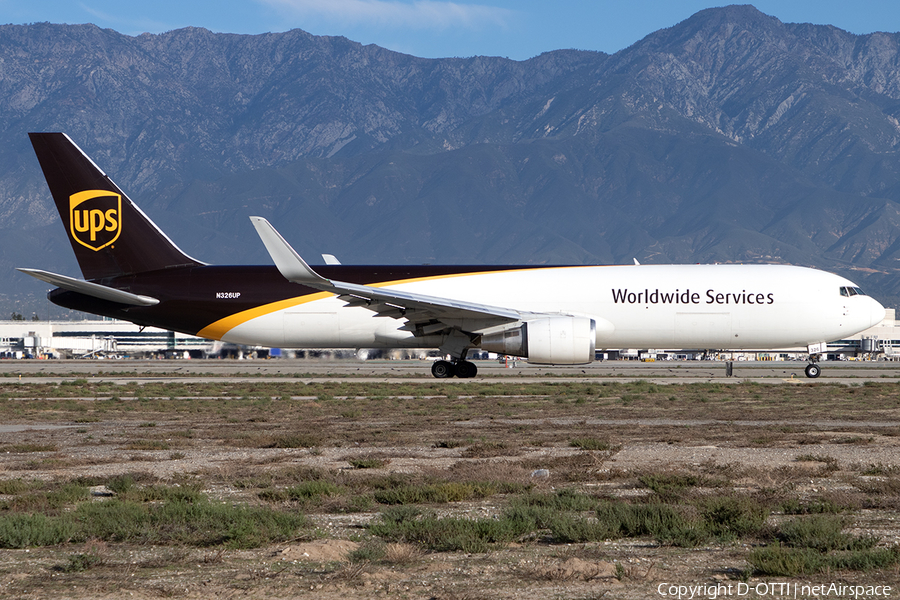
x: 91, y: 289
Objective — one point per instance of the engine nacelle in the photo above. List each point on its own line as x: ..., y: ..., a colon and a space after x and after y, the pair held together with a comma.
x: 549, y: 341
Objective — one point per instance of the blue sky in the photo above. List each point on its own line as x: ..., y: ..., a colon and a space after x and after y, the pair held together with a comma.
x: 518, y: 29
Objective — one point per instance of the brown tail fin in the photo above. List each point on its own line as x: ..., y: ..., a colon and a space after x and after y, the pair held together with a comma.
x: 110, y: 235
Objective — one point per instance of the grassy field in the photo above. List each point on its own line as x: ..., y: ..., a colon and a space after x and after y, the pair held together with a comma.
x: 434, y: 490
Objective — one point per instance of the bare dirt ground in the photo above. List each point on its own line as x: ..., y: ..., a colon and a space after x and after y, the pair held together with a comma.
x: 242, y: 442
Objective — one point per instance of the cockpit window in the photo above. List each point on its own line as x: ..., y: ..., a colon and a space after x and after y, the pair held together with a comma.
x: 851, y: 291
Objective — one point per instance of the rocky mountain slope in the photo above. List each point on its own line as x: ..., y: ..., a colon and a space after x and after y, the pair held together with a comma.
x: 728, y: 137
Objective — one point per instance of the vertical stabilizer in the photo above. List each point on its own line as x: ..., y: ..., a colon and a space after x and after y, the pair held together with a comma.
x: 110, y: 235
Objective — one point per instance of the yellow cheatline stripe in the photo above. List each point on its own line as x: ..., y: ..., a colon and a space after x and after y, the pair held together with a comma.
x: 215, y: 331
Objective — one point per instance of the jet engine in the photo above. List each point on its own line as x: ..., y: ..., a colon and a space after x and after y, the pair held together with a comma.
x: 548, y: 341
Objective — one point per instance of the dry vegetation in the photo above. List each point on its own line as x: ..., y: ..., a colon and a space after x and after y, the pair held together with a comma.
x: 434, y: 490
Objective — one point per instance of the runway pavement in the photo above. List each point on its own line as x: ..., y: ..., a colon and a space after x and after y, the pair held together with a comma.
x: 845, y: 372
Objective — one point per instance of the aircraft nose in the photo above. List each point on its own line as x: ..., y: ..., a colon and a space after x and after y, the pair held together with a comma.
x: 876, y: 312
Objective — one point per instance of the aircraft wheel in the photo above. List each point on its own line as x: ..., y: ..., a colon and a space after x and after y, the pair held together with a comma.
x: 466, y: 369
x: 813, y: 370
x: 442, y: 369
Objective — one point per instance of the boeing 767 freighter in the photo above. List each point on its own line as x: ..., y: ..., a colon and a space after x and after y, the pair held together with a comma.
x: 549, y: 315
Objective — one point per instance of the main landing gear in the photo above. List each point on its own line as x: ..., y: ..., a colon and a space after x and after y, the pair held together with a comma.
x: 444, y: 369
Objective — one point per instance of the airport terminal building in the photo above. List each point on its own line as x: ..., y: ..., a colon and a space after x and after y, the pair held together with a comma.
x: 107, y: 338
x: 116, y: 339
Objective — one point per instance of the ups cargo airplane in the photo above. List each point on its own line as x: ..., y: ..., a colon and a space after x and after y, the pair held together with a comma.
x: 549, y: 315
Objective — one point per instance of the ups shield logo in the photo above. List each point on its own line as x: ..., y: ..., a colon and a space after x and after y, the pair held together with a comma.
x: 95, y: 218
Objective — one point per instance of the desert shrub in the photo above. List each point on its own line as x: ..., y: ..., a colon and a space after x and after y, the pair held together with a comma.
x: 25, y: 530
x: 777, y: 560
x: 78, y: 563
x: 434, y: 493
x: 449, y: 534
x: 199, y: 524
x: 868, y: 559
x: 372, y: 551
x: 730, y: 517
x: 669, y: 486
x: 571, y: 529
x: 823, y: 533
x: 302, y: 492
x: 121, y: 483
x: 793, y: 506
x: 669, y: 524
x: 11, y: 487
x: 812, y: 544
x: 530, y: 518
x: 562, y: 514
x: 163, y: 493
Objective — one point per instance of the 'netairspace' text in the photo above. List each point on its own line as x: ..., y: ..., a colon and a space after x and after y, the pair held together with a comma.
x: 773, y: 589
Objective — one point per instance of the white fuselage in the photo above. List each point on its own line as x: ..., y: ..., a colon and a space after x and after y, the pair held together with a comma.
x: 642, y: 306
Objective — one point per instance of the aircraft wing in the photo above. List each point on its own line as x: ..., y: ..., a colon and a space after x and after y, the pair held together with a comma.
x: 425, y: 314
x: 91, y: 289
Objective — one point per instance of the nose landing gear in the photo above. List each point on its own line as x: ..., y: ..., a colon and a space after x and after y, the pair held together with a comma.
x: 813, y: 369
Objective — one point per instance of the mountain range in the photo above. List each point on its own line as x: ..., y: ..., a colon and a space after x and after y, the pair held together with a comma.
x: 728, y: 137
